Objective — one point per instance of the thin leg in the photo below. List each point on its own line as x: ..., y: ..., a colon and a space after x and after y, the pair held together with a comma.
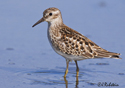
x: 77, y: 82
x: 67, y: 64
x: 66, y: 82
x: 77, y: 69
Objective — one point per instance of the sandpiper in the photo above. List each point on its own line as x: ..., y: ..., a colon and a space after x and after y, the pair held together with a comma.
x: 69, y: 43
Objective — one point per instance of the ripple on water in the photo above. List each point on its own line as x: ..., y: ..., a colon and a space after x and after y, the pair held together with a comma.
x: 55, y: 77
x: 10, y: 49
x: 99, y: 64
x: 121, y: 74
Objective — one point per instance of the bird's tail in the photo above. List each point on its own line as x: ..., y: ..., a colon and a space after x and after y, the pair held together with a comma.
x: 107, y: 54
x: 115, y: 55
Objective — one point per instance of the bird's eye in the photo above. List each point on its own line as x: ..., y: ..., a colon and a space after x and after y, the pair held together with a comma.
x: 50, y: 14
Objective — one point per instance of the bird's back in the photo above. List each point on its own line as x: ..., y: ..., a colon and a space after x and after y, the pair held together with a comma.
x: 73, y: 45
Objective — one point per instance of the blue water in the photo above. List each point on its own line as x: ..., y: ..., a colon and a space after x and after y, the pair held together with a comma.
x: 27, y: 59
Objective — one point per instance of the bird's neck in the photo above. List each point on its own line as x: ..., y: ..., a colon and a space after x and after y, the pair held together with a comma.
x: 56, y: 23
x: 54, y: 28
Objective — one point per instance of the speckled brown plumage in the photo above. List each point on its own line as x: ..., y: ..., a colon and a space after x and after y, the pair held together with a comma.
x: 73, y: 43
x: 69, y: 43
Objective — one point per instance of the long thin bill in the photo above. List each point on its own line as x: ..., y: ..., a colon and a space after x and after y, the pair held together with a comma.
x: 41, y: 20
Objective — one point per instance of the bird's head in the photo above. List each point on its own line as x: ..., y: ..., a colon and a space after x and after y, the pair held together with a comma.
x: 50, y: 15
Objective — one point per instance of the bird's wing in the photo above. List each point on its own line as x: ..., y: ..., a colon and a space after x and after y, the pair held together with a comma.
x: 74, y: 43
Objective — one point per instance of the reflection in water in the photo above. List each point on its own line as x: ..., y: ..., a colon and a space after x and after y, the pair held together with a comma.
x: 77, y: 82
x: 66, y: 82
x: 54, y: 77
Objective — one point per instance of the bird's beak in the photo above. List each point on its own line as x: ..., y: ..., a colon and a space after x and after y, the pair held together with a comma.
x: 41, y: 20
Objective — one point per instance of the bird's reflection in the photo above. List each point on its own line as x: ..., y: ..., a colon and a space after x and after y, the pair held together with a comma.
x: 66, y: 82
x: 77, y: 82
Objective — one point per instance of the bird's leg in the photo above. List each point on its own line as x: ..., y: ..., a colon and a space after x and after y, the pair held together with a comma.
x: 77, y: 82
x: 77, y: 69
x: 67, y: 64
x: 66, y: 82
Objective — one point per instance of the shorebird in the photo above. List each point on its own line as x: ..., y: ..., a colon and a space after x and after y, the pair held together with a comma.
x: 69, y: 43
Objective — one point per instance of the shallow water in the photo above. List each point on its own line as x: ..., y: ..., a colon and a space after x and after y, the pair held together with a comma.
x: 90, y: 76
x: 28, y: 61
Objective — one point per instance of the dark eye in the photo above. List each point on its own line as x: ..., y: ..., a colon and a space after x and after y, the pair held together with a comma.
x: 50, y: 14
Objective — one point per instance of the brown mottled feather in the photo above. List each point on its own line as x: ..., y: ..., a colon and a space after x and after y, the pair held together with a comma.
x: 74, y: 43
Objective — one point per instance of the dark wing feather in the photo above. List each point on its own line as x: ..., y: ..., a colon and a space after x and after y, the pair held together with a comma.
x: 79, y: 45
